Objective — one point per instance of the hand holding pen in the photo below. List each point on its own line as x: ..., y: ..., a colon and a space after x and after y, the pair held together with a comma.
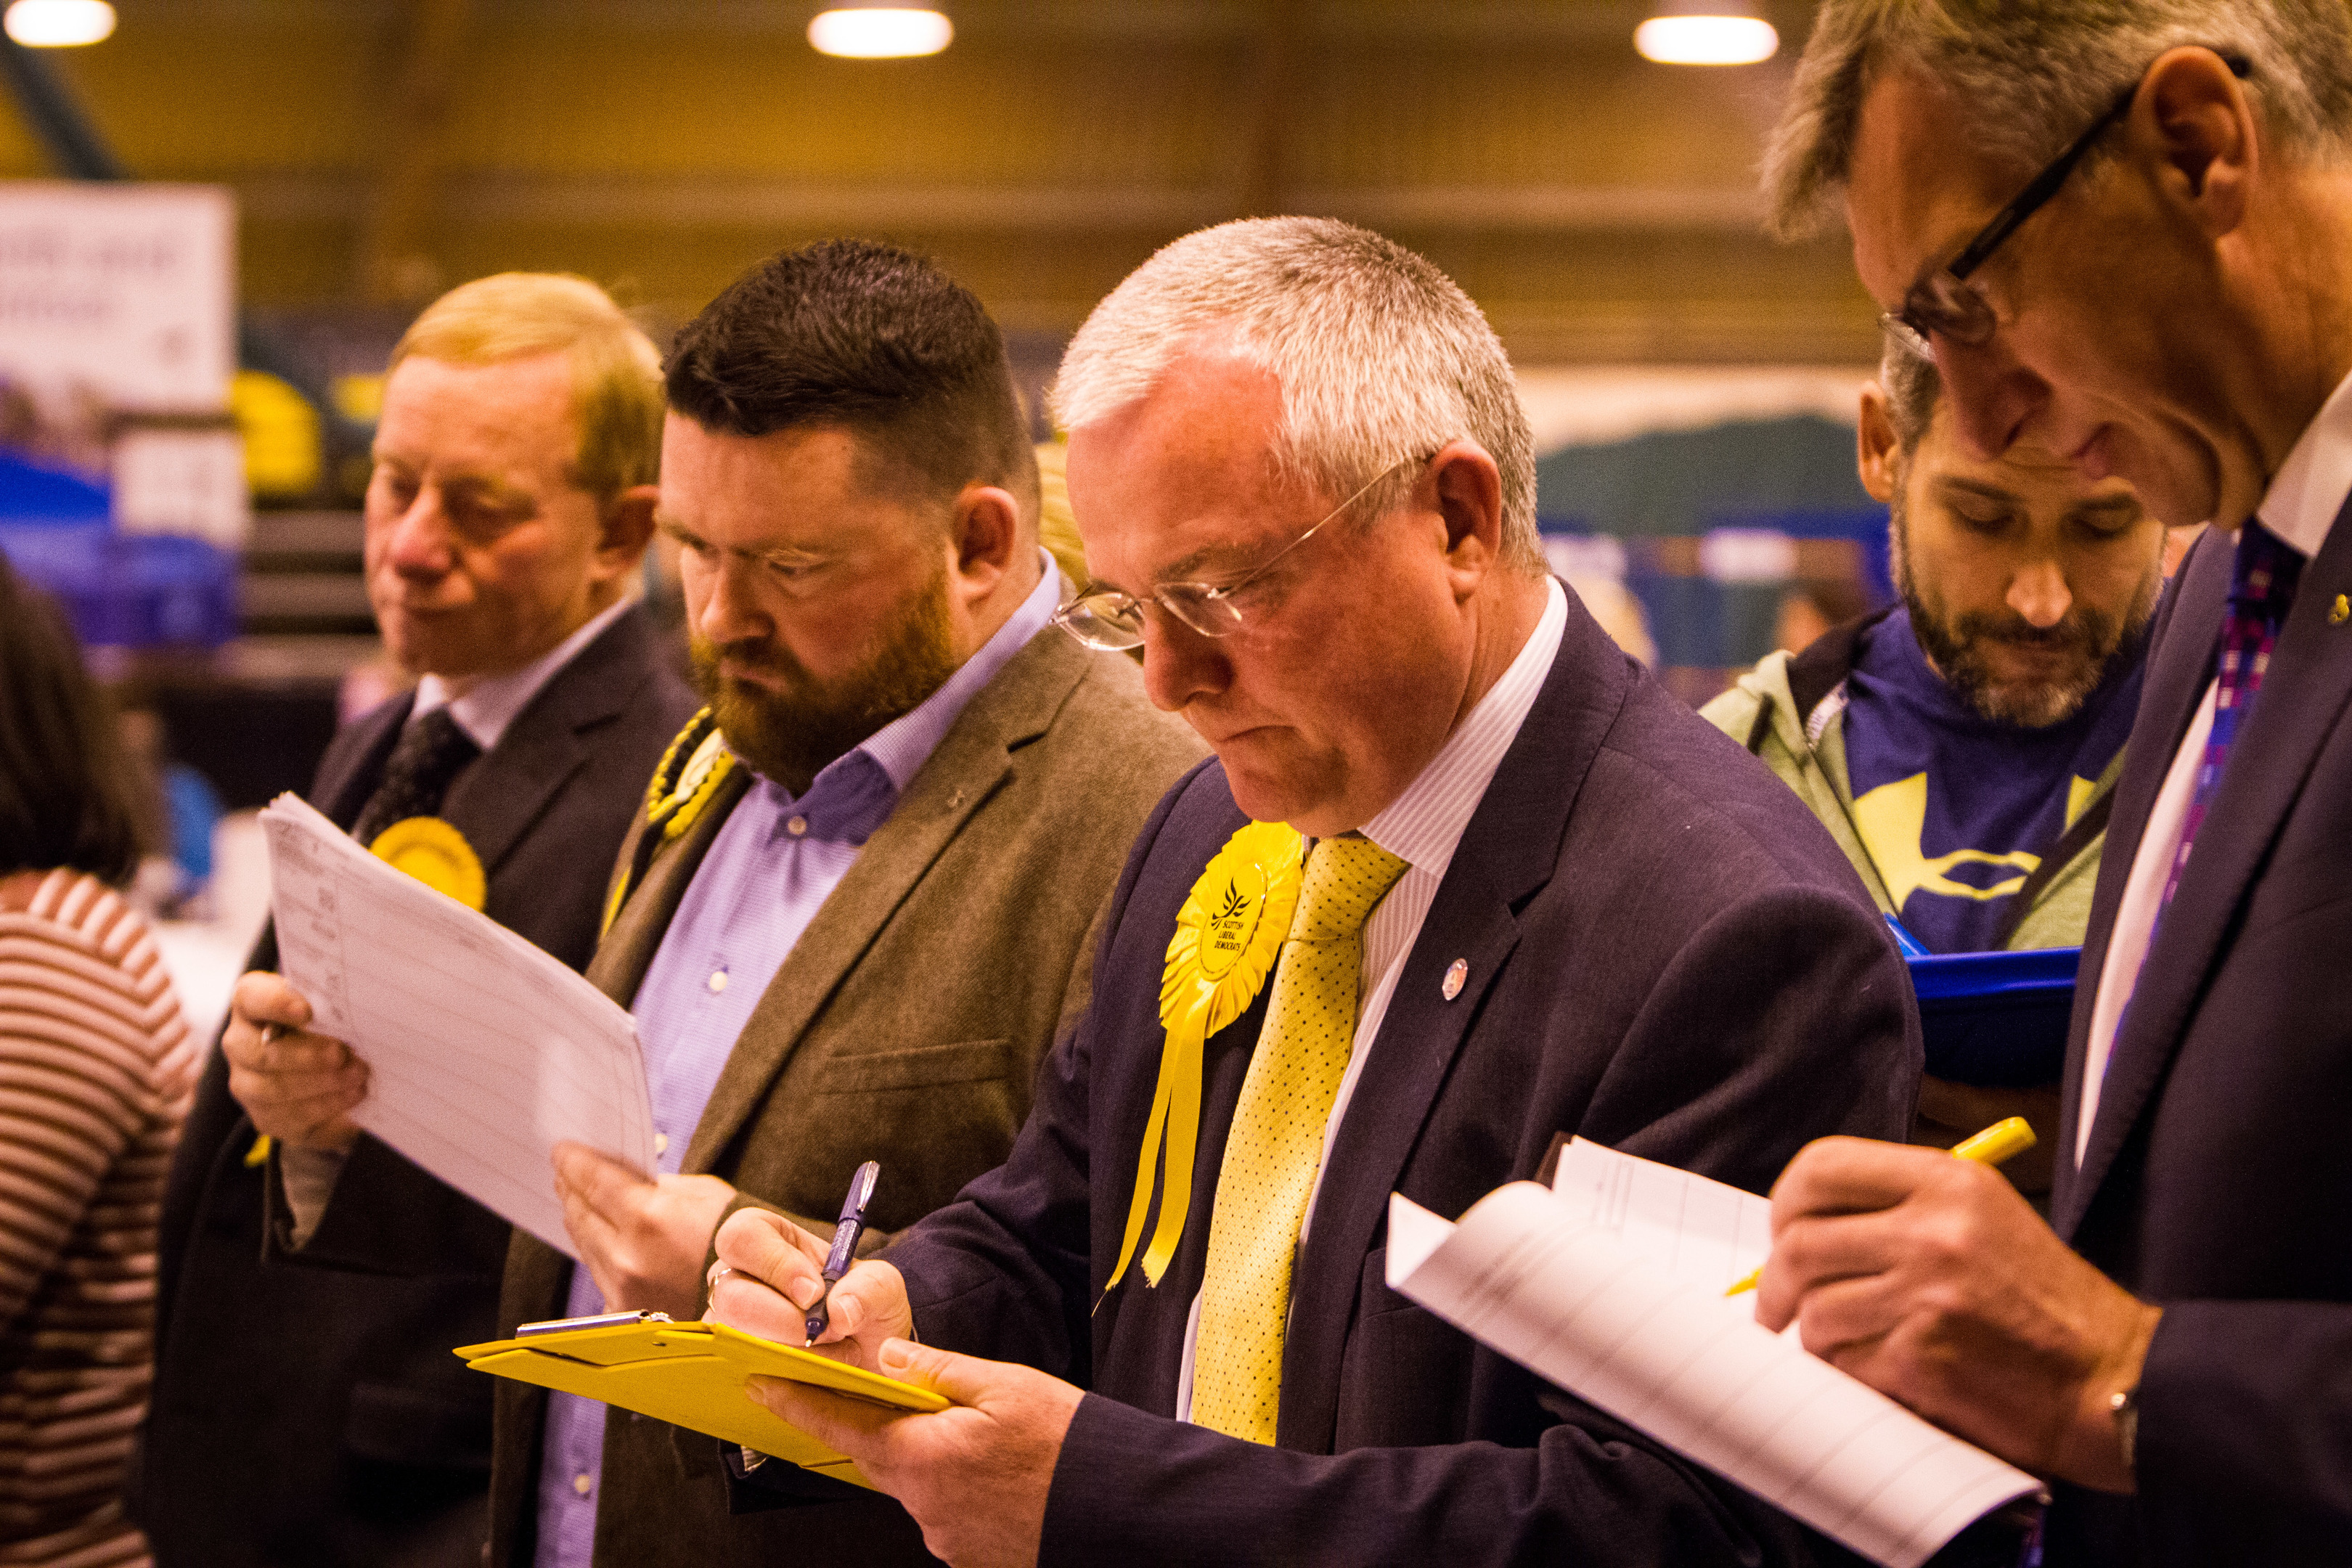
x: 844, y: 1241
x: 2000, y: 1142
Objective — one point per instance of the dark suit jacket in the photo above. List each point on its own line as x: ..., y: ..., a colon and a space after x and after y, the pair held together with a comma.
x: 2220, y: 1168
x: 905, y: 1026
x: 1666, y: 954
x: 304, y: 1417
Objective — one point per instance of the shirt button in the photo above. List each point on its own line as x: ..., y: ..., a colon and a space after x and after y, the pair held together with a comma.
x: 796, y: 826
x: 582, y: 1482
x: 718, y: 981
x: 661, y: 1142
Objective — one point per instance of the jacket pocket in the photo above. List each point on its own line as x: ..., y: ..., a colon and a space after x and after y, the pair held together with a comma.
x: 921, y: 1067
x: 1404, y: 1375
x: 936, y: 1116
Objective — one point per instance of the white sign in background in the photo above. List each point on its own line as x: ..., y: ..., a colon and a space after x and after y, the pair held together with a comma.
x: 183, y: 481
x: 124, y: 291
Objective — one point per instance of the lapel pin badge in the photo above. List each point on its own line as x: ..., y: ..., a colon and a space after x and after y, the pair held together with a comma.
x: 1456, y: 974
x: 2340, y: 611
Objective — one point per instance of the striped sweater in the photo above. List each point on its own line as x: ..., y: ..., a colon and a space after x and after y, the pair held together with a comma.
x: 96, y: 1067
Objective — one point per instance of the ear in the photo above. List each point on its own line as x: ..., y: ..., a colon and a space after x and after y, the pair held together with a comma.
x: 2193, y: 120
x: 984, y: 530
x: 1878, y: 455
x: 1469, y: 493
x: 625, y: 528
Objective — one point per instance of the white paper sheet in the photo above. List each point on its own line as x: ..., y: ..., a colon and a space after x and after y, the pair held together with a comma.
x: 1556, y: 1288
x: 483, y: 1051
x: 1707, y: 1232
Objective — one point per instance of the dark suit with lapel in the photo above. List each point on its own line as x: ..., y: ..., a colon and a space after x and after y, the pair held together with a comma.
x: 905, y: 1026
x: 2218, y: 1170
x: 303, y: 1415
x: 1665, y: 953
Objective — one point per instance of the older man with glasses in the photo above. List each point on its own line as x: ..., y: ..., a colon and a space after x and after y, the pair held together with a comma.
x: 2169, y: 301
x: 1461, y: 879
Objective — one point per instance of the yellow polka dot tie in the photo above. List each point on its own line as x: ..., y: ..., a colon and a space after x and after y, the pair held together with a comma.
x: 1276, y: 1141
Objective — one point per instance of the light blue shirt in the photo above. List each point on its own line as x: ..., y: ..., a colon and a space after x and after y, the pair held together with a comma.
x: 772, y: 866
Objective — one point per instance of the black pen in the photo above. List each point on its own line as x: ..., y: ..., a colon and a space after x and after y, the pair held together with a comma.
x: 845, y: 1239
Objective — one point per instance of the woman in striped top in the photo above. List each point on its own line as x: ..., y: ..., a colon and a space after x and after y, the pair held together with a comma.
x: 96, y: 1066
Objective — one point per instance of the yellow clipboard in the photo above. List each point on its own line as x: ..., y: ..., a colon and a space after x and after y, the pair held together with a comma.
x: 691, y: 1375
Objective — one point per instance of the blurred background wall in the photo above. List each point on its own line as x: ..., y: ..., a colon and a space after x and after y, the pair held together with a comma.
x: 1692, y: 382
x: 1600, y: 207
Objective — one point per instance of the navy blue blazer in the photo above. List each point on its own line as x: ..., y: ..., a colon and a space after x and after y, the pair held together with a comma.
x: 303, y: 1415
x: 2218, y: 1170
x: 1666, y: 954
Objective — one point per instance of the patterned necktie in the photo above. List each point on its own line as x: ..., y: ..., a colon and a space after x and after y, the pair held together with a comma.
x: 430, y: 753
x: 1276, y: 1141
x: 2261, y: 589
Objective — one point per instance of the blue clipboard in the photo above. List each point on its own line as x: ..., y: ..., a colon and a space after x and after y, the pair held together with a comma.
x: 1996, y: 1020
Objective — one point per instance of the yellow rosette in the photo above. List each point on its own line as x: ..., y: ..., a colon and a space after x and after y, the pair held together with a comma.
x: 1228, y: 935
x: 696, y: 783
x: 437, y: 855
x: 689, y: 775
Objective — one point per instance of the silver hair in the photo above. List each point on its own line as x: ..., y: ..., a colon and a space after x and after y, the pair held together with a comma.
x: 2034, y: 72
x: 1381, y: 357
x: 1911, y: 385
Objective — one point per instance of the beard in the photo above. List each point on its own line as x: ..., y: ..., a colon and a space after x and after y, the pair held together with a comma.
x: 2091, y: 640
x: 788, y: 725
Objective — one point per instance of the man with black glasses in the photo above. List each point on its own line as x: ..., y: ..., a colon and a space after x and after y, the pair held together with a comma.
x: 2168, y: 300
x: 1461, y: 879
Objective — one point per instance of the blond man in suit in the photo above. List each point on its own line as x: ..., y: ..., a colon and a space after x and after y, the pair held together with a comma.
x: 507, y: 508
x: 858, y: 904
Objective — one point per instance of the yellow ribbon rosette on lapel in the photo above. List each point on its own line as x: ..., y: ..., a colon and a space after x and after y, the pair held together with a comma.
x: 682, y: 786
x: 1228, y: 935
x: 437, y: 855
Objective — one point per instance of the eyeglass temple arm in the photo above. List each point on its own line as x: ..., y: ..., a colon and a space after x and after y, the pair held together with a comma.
x: 2047, y: 183
x: 1230, y: 589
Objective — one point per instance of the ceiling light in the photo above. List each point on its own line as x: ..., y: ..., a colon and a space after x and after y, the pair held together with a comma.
x: 60, y: 24
x: 879, y: 33
x: 1720, y: 39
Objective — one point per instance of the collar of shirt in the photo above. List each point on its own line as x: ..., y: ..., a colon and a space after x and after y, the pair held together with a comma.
x: 490, y: 704
x: 2311, y: 486
x: 1424, y: 824
x: 902, y: 745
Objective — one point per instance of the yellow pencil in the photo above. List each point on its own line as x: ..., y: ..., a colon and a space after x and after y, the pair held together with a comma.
x: 2000, y: 1142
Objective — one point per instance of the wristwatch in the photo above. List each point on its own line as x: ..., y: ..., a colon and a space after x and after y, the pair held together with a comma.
x: 2125, y: 1407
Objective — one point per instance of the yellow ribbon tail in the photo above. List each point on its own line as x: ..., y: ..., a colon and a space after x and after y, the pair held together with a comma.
x: 1174, y: 1098
x: 613, y: 901
x: 1183, y: 1133
x: 1146, y: 1166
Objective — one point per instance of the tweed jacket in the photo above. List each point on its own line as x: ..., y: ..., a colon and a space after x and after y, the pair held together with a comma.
x: 905, y: 1026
